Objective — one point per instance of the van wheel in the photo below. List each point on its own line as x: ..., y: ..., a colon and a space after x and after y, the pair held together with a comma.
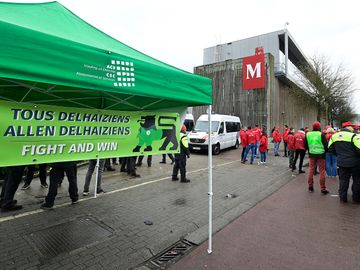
x: 216, y: 149
x: 236, y: 146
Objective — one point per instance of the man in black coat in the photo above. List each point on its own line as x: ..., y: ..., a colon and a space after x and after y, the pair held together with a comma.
x: 56, y: 174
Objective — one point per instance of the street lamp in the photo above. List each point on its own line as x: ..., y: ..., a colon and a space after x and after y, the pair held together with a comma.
x: 283, y: 119
x: 286, y: 47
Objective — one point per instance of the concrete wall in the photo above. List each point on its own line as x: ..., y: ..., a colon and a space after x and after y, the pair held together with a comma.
x: 274, y: 105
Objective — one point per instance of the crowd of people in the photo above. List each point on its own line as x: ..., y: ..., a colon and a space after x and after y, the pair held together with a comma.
x: 331, y: 153
x: 58, y: 170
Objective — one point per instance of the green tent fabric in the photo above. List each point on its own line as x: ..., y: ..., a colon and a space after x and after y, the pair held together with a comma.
x: 51, y: 56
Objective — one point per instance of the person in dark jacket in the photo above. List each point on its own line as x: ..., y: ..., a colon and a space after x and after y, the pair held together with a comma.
x: 316, y: 144
x: 30, y: 175
x: 140, y: 159
x: 180, y: 159
x: 346, y: 146
x: 11, y: 183
x: 164, y: 159
x: 108, y: 166
x: 56, y: 173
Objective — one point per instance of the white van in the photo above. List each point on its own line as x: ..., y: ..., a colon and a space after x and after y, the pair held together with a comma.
x: 224, y: 129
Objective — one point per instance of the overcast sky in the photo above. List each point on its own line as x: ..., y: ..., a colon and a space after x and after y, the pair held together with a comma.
x: 176, y: 32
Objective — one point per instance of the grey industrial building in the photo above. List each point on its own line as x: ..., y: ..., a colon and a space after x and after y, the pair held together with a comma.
x: 278, y: 103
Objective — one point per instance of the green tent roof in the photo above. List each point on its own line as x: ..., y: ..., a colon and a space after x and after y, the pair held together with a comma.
x: 51, y: 56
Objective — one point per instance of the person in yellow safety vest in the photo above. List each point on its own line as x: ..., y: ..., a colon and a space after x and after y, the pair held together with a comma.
x: 316, y: 144
x: 180, y: 159
x: 346, y: 146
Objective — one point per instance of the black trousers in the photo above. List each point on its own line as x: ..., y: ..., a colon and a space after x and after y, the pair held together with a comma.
x: 170, y: 156
x: 130, y: 165
x: 344, y: 179
x: 285, y: 149
x: 140, y: 159
x: 30, y: 174
x: 180, y: 164
x: 11, y: 183
x: 301, y: 153
x: 123, y: 164
x: 107, y: 163
x: 56, y: 174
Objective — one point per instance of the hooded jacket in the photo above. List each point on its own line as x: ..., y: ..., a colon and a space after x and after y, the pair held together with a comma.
x: 300, y: 140
x: 276, y: 136
x: 263, y: 143
x: 291, y: 141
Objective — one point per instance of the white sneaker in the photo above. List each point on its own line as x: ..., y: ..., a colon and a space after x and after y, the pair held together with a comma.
x: 86, y: 193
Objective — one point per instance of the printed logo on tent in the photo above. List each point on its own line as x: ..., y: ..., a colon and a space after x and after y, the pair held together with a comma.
x: 125, y: 73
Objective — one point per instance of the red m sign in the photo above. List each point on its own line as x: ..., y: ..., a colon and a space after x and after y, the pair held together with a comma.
x: 253, y: 72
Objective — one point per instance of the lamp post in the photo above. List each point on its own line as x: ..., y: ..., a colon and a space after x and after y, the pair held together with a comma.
x: 286, y: 48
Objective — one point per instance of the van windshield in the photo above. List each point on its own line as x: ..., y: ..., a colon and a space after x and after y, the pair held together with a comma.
x: 203, y: 126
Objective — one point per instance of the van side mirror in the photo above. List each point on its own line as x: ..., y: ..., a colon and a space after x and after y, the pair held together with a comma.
x: 221, y: 130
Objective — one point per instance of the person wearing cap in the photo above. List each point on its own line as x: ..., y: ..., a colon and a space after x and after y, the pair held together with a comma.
x: 316, y: 144
x: 180, y: 159
x: 346, y: 146
x: 356, y: 129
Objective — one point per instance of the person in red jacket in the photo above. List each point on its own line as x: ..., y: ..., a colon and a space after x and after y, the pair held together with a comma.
x: 331, y: 162
x: 291, y: 146
x: 243, y: 141
x: 251, y: 144
x: 263, y: 147
x: 300, y: 149
x: 258, y: 133
x: 277, y: 139
x: 285, y: 139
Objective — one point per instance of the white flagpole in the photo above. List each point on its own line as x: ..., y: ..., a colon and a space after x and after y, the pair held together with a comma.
x: 210, y: 193
x: 96, y: 176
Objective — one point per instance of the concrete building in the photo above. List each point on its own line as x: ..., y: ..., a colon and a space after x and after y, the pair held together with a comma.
x: 277, y: 102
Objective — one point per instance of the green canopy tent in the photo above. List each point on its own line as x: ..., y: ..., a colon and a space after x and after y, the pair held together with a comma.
x: 50, y: 56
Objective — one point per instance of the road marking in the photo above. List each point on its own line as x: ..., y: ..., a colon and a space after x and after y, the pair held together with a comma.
x: 16, y: 216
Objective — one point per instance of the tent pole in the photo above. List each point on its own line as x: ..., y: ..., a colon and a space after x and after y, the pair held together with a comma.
x: 96, y: 175
x: 210, y: 193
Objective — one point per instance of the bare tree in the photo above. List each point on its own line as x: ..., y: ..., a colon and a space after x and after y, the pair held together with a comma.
x: 330, y: 88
